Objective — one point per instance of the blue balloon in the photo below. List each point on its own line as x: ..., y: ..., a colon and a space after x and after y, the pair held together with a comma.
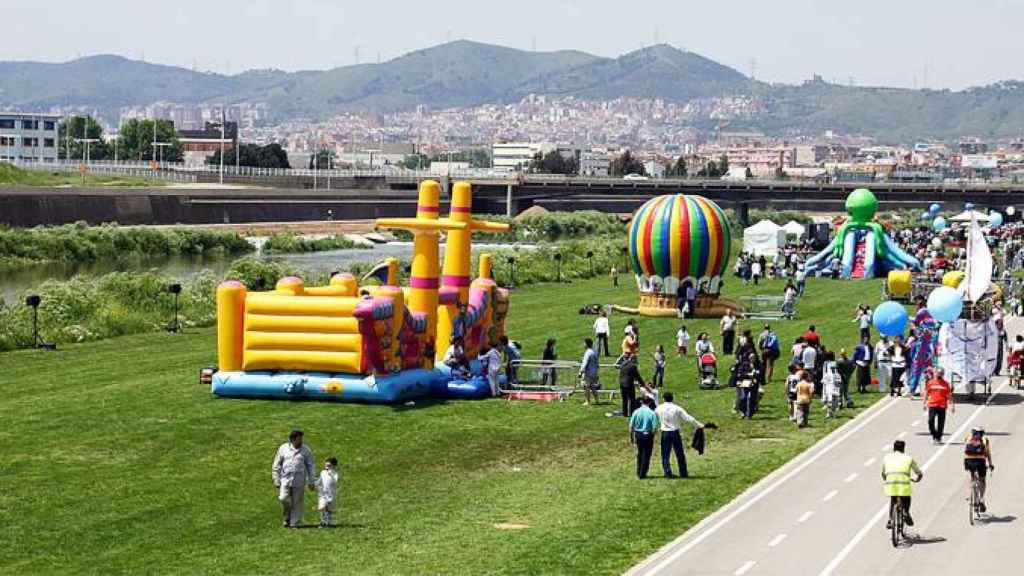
x: 934, y: 208
x: 890, y: 318
x: 995, y: 219
x: 945, y: 304
x: 939, y: 224
x: 969, y: 206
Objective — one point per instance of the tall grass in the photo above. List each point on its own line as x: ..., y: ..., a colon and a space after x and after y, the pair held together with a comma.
x: 293, y: 243
x: 80, y: 242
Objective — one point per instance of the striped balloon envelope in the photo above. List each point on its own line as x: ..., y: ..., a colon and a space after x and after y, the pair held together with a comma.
x: 677, y: 238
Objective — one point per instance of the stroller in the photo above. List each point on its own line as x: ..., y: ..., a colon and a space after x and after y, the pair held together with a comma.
x: 707, y: 371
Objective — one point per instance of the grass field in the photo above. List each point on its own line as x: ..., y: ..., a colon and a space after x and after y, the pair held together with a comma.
x: 14, y: 176
x: 118, y: 461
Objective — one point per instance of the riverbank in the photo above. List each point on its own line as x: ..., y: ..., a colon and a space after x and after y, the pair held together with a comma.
x: 542, y: 488
x: 14, y: 176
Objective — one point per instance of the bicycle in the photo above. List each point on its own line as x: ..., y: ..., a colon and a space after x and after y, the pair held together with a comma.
x: 974, y: 500
x: 896, y: 514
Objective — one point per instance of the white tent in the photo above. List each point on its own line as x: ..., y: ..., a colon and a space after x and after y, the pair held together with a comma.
x: 965, y: 216
x: 764, y: 238
x: 794, y: 228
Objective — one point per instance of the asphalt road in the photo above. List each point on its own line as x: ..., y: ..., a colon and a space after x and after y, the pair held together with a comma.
x: 824, y: 513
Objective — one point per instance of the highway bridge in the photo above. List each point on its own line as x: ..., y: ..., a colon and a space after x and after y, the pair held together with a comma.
x: 363, y: 196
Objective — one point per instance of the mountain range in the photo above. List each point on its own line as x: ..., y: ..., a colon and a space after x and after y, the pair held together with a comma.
x: 465, y: 73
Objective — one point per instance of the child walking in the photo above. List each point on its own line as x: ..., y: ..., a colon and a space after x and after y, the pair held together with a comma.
x: 327, y: 490
x: 682, y: 342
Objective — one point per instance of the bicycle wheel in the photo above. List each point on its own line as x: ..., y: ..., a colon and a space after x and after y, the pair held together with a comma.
x: 896, y: 522
x: 973, y: 500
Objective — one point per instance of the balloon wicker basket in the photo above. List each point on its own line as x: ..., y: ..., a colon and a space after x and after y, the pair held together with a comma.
x: 707, y: 306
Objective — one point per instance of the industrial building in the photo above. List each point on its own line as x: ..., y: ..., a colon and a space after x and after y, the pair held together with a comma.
x: 28, y: 137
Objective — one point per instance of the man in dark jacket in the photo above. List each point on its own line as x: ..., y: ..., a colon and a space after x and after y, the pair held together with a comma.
x: 629, y: 377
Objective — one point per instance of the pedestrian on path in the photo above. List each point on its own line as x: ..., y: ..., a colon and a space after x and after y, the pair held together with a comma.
x: 642, y: 425
x: 804, y: 393
x: 770, y: 352
x: 898, y: 365
x: 862, y: 357
x: 293, y: 469
x: 938, y: 397
x: 883, y: 364
x: 671, y: 416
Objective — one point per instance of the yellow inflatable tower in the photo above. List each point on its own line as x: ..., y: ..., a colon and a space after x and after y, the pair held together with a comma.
x: 423, y: 282
x: 457, y: 259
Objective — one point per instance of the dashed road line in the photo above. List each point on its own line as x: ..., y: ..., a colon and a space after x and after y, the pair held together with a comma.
x: 830, y: 495
x: 745, y: 568
x: 851, y: 477
x: 915, y: 423
x: 805, y: 516
x: 870, y: 461
x: 776, y: 541
x: 902, y: 434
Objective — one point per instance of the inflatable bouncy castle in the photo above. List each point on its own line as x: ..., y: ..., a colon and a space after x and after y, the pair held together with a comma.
x: 675, y: 241
x: 862, y: 247
x: 378, y: 344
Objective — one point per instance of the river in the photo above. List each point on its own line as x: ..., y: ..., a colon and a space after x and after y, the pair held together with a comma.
x: 16, y: 281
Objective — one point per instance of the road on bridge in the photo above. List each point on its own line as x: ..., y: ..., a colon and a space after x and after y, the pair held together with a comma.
x: 824, y: 513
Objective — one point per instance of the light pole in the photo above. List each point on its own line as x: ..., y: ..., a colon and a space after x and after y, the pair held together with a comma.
x: 85, y: 154
x: 160, y: 146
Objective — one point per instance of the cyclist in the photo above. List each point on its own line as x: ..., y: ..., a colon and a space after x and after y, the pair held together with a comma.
x: 978, y: 453
x: 896, y: 471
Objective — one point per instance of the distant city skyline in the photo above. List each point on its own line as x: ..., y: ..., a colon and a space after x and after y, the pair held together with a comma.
x: 912, y: 43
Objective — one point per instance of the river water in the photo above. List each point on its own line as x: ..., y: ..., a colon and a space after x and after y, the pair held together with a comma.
x: 17, y: 281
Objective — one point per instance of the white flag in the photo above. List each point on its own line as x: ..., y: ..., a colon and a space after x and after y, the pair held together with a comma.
x: 979, y: 265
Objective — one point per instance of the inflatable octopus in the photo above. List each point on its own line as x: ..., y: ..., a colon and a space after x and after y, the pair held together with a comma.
x: 862, y: 247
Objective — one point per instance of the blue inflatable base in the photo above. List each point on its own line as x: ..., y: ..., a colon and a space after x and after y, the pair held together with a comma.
x: 335, y: 387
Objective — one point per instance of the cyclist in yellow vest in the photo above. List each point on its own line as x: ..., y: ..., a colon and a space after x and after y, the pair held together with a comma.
x: 897, y: 468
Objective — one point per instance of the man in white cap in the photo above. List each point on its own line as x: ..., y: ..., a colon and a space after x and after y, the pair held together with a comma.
x: 293, y: 467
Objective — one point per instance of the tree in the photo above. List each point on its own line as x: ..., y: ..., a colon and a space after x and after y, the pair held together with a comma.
x: 678, y: 169
x: 137, y: 137
x: 626, y: 163
x: 80, y: 127
x: 254, y: 156
x: 554, y: 163
x: 322, y: 160
x: 477, y: 158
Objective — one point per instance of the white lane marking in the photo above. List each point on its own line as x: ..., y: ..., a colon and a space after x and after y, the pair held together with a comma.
x: 915, y: 423
x: 830, y: 495
x: 676, y: 554
x: 805, y: 516
x: 902, y: 434
x: 776, y: 541
x: 851, y: 477
x: 885, y: 507
x: 886, y: 447
x: 745, y: 568
x: 870, y: 461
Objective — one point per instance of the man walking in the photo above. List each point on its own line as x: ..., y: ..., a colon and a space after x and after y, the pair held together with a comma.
x: 293, y: 469
x: 629, y: 377
x: 883, y: 366
x: 601, y: 330
x: 671, y: 416
x: 938, y: 397
x: 862, y: 357
x: 642, y: 425
x: 691, y: 299
x: 589, y: 369
x: 728, y: 331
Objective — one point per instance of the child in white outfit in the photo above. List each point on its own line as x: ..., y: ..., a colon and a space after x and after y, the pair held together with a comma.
x: 327, y: 490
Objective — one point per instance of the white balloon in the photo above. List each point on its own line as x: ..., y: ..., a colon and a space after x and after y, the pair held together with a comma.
x: 936, y: 242
x: 1010, y: 210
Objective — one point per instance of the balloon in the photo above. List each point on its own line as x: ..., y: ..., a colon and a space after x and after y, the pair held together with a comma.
x: 945, y: 304
x: 939, y: 224
x: 936, y: 243
x: 934, y: 208
x: 926, y: 215
x: 890, y: 318
x: 1010, y: 210
x: 969, y: 206
x: 995, y: 219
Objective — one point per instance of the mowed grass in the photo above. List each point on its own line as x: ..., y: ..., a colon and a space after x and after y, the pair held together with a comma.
x: 14, y: 176
x: 117, y: 461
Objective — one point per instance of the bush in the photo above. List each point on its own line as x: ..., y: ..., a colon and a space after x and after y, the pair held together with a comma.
x: 292, y: 242
x: 82, y: 243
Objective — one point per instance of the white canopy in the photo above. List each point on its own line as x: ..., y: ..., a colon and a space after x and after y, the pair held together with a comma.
x: 965, y: 216
x: 794, y: 228
x: 764, y: 238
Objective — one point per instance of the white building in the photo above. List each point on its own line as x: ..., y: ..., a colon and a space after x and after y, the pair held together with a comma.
x: 516, y: 156
x: 28, y: 136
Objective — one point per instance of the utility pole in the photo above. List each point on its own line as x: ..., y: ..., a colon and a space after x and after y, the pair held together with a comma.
x: 223, y: 119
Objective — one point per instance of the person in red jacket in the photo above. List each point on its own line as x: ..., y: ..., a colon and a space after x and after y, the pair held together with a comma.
x: 938, y: 397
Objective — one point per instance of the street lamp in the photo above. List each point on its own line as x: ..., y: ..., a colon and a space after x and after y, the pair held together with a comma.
x: 160, y: 146
x: 512, y: 271
x: 558, y: 267
x: 174, y: 325
x: 590, y: 257
x: 625, y: 262
x: 33, y: 301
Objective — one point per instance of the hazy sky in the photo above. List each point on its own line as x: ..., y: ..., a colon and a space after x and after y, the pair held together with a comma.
x: 946, y: 43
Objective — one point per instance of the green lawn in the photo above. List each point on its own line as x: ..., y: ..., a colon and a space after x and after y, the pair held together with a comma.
x: 118, y: 461
x: 14, y: 176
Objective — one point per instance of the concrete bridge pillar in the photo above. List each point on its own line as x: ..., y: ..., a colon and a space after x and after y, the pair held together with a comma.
x: 743, y: 214
x: 509, y: 209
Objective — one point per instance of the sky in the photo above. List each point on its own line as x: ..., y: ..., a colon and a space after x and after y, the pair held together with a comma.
x: 908, y: 43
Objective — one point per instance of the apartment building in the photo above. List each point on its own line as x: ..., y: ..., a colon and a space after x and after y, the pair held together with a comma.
x: 28, y: 136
